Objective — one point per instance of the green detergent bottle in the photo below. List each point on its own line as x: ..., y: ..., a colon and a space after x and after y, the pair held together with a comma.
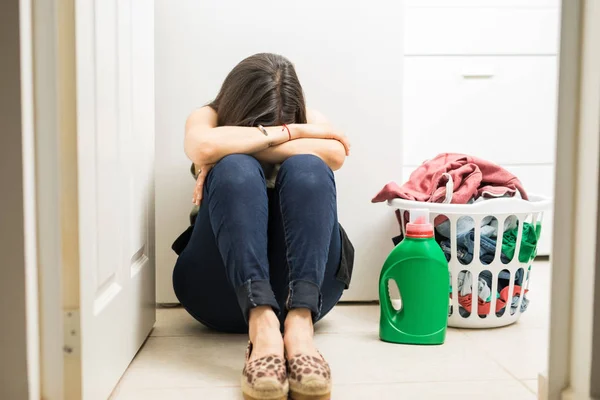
x: 419, y: 268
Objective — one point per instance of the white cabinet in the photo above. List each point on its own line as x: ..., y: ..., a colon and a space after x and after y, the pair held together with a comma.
x: 480, y: 31
x: 480, y: 78
x: 498, y: 108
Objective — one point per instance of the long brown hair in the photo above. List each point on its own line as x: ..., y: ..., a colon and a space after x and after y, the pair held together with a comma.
x: 262, y: 89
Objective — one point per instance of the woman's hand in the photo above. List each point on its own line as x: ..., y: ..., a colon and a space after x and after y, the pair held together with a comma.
x: 199, y: 189
x: 320, y: 131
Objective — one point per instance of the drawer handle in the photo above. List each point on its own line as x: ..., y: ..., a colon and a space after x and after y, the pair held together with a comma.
x: 473, y: 75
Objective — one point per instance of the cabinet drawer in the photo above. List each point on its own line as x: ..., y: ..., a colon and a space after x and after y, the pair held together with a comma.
x: 499, y: 108
x: 481, y: 31
x: 485, y: 3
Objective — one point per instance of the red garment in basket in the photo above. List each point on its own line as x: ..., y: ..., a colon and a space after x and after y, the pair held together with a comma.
x: 503, y: 299
x: 466, y: 302
x: 471, y: 178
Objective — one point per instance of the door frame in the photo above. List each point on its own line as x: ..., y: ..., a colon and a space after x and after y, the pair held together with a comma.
x: 576, y: 200
x: 570, y: 360
x: 55, y: 112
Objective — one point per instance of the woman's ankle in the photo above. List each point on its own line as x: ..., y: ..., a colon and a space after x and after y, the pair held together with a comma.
x: 299, y: 333
x: 264, y: 332
x: 299, y: 321
x: 264, y: 317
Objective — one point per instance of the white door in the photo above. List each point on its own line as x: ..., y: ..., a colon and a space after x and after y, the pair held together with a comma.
x: 115, y: 133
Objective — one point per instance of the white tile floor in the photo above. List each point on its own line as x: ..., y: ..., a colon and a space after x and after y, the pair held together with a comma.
x: 183, y: 360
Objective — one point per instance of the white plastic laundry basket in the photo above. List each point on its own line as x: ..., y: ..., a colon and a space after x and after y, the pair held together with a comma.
x: 505, y: 211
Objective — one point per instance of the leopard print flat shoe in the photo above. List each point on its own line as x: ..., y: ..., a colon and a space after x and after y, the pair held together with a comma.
x: 309, y: 378
x: 264, y: 378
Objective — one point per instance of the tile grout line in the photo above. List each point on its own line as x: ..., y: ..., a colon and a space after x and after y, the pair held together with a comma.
x: 413, y: 382
x: 507, y: 370
x: 493, y: 358
x: 522, y: 381
x: 513, y: 376
x: 336, y: 387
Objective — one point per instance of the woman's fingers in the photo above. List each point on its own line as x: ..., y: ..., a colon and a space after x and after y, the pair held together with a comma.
x: 199, y: 189
x: 347, y: 145
x: 197, y: 194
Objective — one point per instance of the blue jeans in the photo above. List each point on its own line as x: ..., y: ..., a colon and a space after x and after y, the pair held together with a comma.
x: 252, y: 246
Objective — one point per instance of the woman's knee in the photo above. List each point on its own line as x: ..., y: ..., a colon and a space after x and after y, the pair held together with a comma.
x: 236, y: 172
x: 307, y: 172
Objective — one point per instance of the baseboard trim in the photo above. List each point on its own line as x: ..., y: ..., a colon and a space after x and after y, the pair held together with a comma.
x: 568, y: 394
x: 543, y: 385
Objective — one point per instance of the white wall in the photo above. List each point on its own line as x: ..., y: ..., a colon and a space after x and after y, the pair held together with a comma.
x: 349, y: 59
